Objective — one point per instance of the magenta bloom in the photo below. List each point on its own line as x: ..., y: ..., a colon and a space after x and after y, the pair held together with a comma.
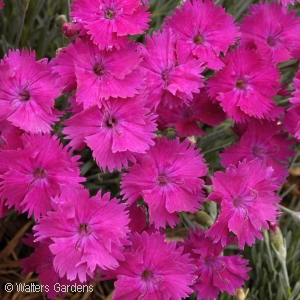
x: 99, y: 74
x: 153, y: 270
x: 35, y: 173
x: 292, y: 116
x: 168, y: 82
x: 1, y: 4
x: 85, y: 232
x: 167, y: 178
x: 246, y: 85
x: 216, y: 273
x: 108, y: 22
x: 186, y: 119
x: 204, y: 31
x: 248, y: 201
x: 41, y: 262
x: 272, y: 31
x: 269, y: 145
x: 27, y: 92
x: 114, y: 132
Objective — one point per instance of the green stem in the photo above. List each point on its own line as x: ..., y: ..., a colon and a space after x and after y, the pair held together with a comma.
x: 68, y: 10
x: 24, y: 4
x: 266, y: 238
x: 217, y: 148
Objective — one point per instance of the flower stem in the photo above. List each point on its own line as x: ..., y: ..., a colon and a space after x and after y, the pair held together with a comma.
x: 24, y: 8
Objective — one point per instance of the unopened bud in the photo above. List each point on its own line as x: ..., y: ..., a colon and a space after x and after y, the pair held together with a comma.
x: 240, y: 294
x: 278, y: 243
x: 69, y: 30
x: 60, y: 20
x: 192, y: 139
x: 296, y: 217
x: 204, y: 219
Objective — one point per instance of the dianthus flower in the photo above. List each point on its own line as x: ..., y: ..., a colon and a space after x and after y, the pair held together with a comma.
x: 167, y: 178
x: 168, y: 82
x: 272, y: 31
x: 108, y: 22
x: 27, y: 92
x: 292, y: 116
x: 265, y: 141
x: 99, y: 74
x: 114, y: 132
x: 216, y: 273
x: 34, y: 173
x: 85, y: 232
x: 153, y: 270
x: 1, y: 4
x: 41, y: 262
x: 248, y: 201
x: 204, y: 31
x: 246, y: 85
x: 185, y: 119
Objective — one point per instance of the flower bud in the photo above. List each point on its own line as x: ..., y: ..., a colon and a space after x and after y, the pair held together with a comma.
x: 278, y: 244
x: 204, y: 219
x: 240, y: 294
x: 60, y: 20
x: 69, y: 30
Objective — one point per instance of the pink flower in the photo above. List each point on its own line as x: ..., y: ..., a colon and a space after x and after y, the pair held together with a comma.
x: 1, y: 4
x: 216, y: 273
x: 167, y: 178
x: 114, y: 132
x: 292, y: 116
x: 27, y: 92
x: 41, y: 262
x: 99, y: 74
x: 204, y: 31
x: 248, y: 201
x: 108, y: 22
x: 168, y: 82
x: 269, y: 145
x: 272, y: 31
x: 85, y: 232
x: 186, y: 119
x: 34, y: 173
x: 245, y: 86
x: 153, y: 270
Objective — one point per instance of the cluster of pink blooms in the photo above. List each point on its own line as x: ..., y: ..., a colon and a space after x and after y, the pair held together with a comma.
x: 121, y: 92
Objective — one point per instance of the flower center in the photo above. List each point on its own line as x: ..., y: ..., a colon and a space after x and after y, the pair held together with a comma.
x: 39, y: 173
x: 111, y: 122
x: 83, y: 228
x: 98, y: 69
x: 24, y: 95
x: 147, y: 274
x: 110, y: 14
x: 198, y: 40
x: 240, y: 84
x: 162, y: 179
